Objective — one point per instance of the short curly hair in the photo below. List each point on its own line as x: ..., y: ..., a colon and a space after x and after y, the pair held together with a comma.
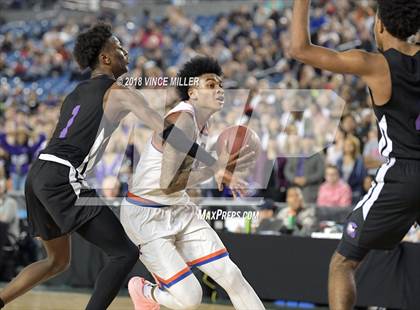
x: 195, y: 67
x: 90, y: 43
x: 400, y: 17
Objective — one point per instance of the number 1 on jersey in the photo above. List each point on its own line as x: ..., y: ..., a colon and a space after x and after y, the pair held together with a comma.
x: 74, y: 113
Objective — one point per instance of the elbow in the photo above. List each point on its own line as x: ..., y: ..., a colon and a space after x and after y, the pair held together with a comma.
x: 167, y: 191
x: 297, y: 52
x: 167, y: 187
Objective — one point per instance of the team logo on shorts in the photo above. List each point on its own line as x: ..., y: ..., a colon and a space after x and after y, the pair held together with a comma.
x: 351, y: 229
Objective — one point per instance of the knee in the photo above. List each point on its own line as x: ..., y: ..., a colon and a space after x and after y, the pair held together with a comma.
x: 340, y: 262
x: 192, y: 299
x: 232, y: 273
x: 187, y: 294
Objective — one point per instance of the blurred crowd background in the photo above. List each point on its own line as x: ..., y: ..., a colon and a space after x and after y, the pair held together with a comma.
x: 320, y: 144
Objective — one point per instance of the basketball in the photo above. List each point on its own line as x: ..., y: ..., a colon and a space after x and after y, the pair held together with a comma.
x: 237, y: 138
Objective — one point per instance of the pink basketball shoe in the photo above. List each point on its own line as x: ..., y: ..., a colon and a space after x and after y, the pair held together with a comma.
x: 135, y: 289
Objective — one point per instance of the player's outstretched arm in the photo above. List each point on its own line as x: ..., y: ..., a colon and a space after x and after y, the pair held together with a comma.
x: 121, y: 100
x: 356, y: 62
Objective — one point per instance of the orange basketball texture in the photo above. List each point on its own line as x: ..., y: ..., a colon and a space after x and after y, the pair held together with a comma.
x: 237, y: 138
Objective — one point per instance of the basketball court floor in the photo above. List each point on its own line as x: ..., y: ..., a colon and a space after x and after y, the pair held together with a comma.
x: 48, y: 300
x: 45, y: 298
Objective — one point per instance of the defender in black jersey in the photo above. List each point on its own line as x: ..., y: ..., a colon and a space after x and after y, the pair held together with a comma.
x: 392, y: 205
x: 56, y: 182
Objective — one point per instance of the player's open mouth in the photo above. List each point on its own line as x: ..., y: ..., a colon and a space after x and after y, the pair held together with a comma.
x: 221, y: 99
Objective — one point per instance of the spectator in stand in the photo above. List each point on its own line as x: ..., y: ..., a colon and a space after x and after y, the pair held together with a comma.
x: 335, y: 151
x: 366, y: 123
x: 351, y: 166
x: 349, y: 126
x: 269, y: 223
x: 279, y: 185
x: 334, y: 192
x: 9, y: 232
x: 4, y: 163
x: 306, y: 171
x: 296, y: 218
x: 21, y: 153
x: 9, y: 212
x: 367, y: 184
x: 371, y: 156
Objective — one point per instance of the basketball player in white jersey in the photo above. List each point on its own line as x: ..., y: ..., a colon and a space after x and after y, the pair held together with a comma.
x: 159, y: 216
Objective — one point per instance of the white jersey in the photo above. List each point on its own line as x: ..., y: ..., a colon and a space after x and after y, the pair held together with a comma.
x: 146, y: 179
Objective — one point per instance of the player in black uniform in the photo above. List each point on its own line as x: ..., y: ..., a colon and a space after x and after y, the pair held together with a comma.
x: 55, y: 184
x: 382, y: 218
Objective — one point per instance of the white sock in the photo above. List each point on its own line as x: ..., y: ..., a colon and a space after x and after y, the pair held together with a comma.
x: 185, y: 294
x: 147, y: 290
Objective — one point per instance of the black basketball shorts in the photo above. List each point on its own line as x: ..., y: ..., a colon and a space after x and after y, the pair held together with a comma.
x: 385, y: 214
x: 51, y: 192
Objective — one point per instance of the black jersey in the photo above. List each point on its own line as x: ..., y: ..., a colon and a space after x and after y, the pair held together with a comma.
x: 82, y: 131
x: 399, y: 118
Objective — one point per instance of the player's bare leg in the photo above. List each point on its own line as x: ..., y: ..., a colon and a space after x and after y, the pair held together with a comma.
x: 341, y: 283
x: 57, y: 260
x: 229, y: 276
